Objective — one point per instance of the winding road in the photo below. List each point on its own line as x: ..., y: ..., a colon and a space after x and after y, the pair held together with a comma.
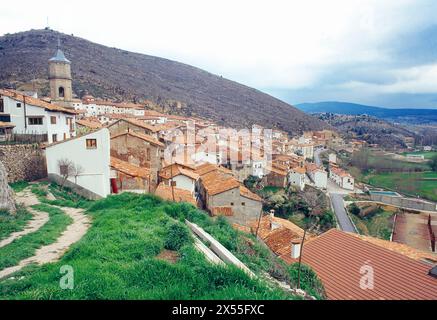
x: 336, y: 195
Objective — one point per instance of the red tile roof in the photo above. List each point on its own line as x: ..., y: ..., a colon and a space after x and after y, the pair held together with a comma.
x: 178, y: 169
x: 337, y: 257
x: 216, y: 182
x: 141, y: 136
x: 34, y: 101
x: 180, y: 195
x: 129, y: 169
x: 244, y: 192
x: 89, y: 123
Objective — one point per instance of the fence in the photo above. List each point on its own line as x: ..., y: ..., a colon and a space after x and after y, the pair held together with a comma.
x: 23, y: 138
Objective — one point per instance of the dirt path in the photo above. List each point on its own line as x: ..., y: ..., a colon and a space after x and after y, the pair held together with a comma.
x: 53, y: 252
x: 28, y: 199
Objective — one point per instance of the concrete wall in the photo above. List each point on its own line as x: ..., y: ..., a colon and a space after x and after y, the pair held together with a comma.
x: 410, y: 203
x: 25, y: 162
x: 95, y: 162
x: 86, y: 193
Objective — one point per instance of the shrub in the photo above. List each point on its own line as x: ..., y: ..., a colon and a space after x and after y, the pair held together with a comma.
x: 309, y: 282
x: 353, y: 208
x: 177, y: 236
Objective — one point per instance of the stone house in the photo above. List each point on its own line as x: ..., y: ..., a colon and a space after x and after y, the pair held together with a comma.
x: 140, y: 150
x: 128, y: 177
x: 132, y: 125
x: 277, y: 177
x: 222, y: 194
x: 183, y: 177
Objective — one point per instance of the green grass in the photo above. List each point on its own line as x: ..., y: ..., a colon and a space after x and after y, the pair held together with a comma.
x: 379, y: 225
x: 65, y: 197
x: 413, y: 184
x: 19, y: 186
x: 427, y: 155
x: 13, y: 223
x: 116, y: 259
x: 26, y: 246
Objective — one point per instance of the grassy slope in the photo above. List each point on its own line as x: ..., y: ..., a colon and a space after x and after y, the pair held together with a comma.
x: 427, y: 155
x: 380, y: 225
x: 424, y: 188
x: 26, y: 246
x: 13, y: 223
x: 117, y: 259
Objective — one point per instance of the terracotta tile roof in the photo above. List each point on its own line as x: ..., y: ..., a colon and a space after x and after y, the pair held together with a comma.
x: 337, y: 257
x: 177, y: 169
x: 244, y: 192
x: 89, y: 123
x: 340, y: 172
x: 6, y: 124
x: 216, y: 182
x: 129, y: 169
x: 164, y: 191
x: 72, y: 138
x: 138, y: 123
x: 141, y: 136
x: 35, y: 102
x: 208, y: 167
x: 299, y: 170
x: 401, y: 248
x: 222, y: 211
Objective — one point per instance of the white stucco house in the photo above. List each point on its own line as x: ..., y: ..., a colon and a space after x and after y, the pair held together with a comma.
x: 296, y: 177
x: 342, y: 178
x: 33, y: 116
x: 89, y: 157
x: 317, y: 175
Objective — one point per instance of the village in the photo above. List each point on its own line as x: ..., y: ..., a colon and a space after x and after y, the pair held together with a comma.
x: 99, y: 148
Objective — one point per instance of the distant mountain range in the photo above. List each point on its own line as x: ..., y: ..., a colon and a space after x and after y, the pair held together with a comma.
x: 174, y: 87
x: 418, y: 116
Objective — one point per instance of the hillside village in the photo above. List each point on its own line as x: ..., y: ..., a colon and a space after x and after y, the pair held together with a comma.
x: 99, y: 148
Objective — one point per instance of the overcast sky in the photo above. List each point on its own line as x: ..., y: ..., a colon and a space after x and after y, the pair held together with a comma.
x: 372, y: 52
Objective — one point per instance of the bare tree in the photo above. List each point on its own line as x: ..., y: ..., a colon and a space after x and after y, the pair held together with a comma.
x: 77, y: 171
x: 68, y: 169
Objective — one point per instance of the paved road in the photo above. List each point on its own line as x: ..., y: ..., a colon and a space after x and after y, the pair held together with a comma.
x: 342, y: 216
x: 336, y: 194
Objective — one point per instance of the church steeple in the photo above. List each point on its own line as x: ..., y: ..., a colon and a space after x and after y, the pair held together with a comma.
x: 60, y: 76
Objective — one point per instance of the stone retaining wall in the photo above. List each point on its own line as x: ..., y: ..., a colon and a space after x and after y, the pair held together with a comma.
x: 23, y: 162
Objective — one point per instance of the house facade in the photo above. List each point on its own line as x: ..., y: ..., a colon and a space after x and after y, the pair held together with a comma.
x: 32, y: 116
x: 296, y: 177
x: 85, y: 160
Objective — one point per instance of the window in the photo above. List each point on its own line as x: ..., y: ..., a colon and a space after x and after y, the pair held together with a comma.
x: 61, y: 92
x: 91, y: 143
x: 55, y: 137
x: 243, y: 204
x: 18, y: 104
x: 65, y: 136
x: 232, y: 204
x: 63, y: 170
x: 2, y: 106
x: 35, y: 121
x: 148, y: 154
x: 53, y: 120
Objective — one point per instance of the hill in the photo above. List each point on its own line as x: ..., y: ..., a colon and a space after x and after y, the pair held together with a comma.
x: 370, y: 129
x: 419, y: 116
x: 118, y: 74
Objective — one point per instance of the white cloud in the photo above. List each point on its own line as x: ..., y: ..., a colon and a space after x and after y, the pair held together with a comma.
x: 283, y: 44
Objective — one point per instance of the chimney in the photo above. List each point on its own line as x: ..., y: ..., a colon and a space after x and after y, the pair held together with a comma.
x: 295, y: 248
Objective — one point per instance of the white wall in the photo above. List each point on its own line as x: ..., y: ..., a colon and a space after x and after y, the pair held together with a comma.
x: 184, y: 182
x: 17, y: 118
x: 321, y: 179
x: 95, y: 162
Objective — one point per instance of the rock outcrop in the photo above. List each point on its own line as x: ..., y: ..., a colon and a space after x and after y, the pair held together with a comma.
x: 6, y: 195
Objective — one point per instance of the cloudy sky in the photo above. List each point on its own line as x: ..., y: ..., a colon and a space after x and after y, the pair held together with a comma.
x: 372, y: 52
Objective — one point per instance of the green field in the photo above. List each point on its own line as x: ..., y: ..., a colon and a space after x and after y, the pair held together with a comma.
x: 121, y: 257
x: 13, y: 223
x: 427, y: 155
x: 413, y: 184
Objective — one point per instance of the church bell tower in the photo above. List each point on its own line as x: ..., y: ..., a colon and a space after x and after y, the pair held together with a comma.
x: 60, y: 78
